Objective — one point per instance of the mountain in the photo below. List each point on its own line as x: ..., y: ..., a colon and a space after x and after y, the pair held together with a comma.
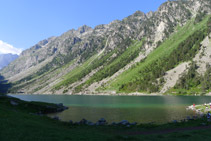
x: 5, y: 59
x: 166, y: 51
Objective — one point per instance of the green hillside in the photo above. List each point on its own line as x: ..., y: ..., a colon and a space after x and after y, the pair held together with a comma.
x: 109, y: 64
x: 147, y: 71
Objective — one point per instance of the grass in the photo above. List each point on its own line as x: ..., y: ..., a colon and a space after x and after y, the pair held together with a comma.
x: 96, y: 60
x: 66, y: 78
x: 203, y: 108
x: 192, y: 91
x: 18, y: 124
x: 163, y: 50
x: 122, y: 60
x: 135, y: 47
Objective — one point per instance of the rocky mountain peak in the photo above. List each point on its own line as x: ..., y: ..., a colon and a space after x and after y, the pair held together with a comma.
x: 83, y: 29
x: 84, y: 43
x: 38, y: 46
x: 149, y: 14
x: 5, y: 59
x: 46, y: 41
x: 101, y: 26
x: 138, y: 15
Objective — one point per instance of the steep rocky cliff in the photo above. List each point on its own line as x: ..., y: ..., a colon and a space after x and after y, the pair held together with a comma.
x: 90, y: 60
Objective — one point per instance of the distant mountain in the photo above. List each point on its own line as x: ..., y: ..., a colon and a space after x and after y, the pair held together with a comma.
x: 5, y: 59
x: 166, y: 51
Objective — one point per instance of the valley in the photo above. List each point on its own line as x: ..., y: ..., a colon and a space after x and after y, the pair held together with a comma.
x: 143, y: 53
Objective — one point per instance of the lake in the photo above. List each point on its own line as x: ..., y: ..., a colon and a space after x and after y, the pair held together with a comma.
x: 142, y: 109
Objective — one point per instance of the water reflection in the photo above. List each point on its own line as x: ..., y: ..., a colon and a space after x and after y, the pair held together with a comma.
x: 142, y: 109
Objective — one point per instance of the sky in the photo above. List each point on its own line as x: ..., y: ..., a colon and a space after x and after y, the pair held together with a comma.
x: 26, y: 22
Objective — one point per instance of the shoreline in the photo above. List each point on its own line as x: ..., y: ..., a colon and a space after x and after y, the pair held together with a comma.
x: 97, y: 94
x: 110, y: 94
x: 114, y: 131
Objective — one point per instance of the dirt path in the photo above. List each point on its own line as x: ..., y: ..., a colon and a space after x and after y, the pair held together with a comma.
x: 166, y: 131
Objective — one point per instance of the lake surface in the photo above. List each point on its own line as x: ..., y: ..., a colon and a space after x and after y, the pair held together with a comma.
x: 142, y: 109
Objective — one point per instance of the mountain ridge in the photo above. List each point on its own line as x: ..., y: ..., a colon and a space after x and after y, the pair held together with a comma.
x: 77, y: 59
x: 5, y: 59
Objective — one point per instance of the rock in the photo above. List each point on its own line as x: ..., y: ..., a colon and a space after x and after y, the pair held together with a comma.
x: 188, y: 118
x: 97, y: 123
x: 56, y: 118
x: 5, y: 59
x: 60, y: 104
x: 90, y: 123
x: 14, y: 103
x: 71, y: 122
x: 101, y: 123
x: 77, y: 123
x: 83, y: 121
x: 113, y: 123
x: 59, y: 109
x: 65, y: 108
x: 102, y: 120
x: 75, y: 43
x: 195, y: 117
x: 174, y: 121
x: 133, y: 123
x: 128, y: 126
x: 124, y: 122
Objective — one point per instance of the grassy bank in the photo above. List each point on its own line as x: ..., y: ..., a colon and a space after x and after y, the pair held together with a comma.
x: 20, y: 122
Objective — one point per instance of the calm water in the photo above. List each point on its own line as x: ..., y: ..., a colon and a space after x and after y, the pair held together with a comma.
x: 142, y: 109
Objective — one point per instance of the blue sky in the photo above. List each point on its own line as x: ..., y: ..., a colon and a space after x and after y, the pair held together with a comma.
x: 26, y: 22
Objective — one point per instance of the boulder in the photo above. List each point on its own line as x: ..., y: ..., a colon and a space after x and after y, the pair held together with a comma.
x: 102, y: 120
x: 60, y: 104
x: 113, y: 123
x: 65, y: 108
x: 90, y: 123
x: 133, y: 123
x: 174, y: 121
x: 56, y: 118
x: 100, y: 123
x: 71, y: 122
x: 83, y: 121
x: 14, y: 103
x: 77, y: 123
x: 124, y: 122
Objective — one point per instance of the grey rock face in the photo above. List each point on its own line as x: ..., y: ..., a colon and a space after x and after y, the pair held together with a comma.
x: 81, y: 44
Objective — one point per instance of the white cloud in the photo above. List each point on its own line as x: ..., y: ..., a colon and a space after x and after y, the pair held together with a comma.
x: 7, y: 48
